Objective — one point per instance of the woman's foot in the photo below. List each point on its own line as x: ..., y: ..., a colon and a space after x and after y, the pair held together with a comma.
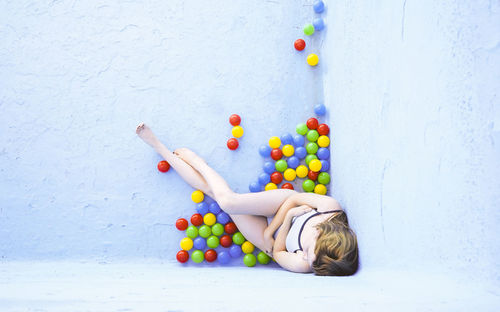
x: 145, y: 133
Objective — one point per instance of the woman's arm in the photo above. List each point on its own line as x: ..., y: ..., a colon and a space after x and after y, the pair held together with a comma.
x: 321, y: 203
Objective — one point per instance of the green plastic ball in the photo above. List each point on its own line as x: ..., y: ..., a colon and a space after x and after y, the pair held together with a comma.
x: 263, y: 258
x: 301, y: 128
x: 197, y: 256
x: 249, y: 260
x: 311, y: 148
x: 324, y: 178
x: 308, y: 185
x: 310, y: 157
x: 238, y: 238
x: 205, y: 231
x: 217, y: 229
x: 281, y: 165
x: 312, y: 135
x: 309, y: 29
x: 192, y: 231
x: 213, y: 241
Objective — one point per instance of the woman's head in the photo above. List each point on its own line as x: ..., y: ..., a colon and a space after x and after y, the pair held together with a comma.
x: 336, y: 247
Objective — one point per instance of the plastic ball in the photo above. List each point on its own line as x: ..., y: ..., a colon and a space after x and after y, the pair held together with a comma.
x: 254, y: 187
x: 247, y: 247
x: 287, y: 186
x: 235, y: 251
x: 209, y: 219
x: 186, y: 243
x: 276, y: 154
x: 234, y: 120
x: 312, y: 175
x: 320, y: 189
x: 224, y: 257
x: 268, y: 167
x: 217, y: 229
x: 197, y: 256
x: 324, y: 178
x: 288, y: 150
x: 210, y: 255
x: 237, y: 131
x: 264, y: 178
x: 226, y: 241
x: 223, y: 218
x: 315, y: 165
x: 264, y: 151
x: 300, y: 152
x: 197, y: 219
x: 323, y: 153
x: 301, y: 129
x: 293, y: 162
x: 298, y: 140
x: 192, y: 231
x: 323, y: 141
x: 214, y: 208
x: 299, y: 44
x: 323, y: 129
x: 197, y: 196
x: 319, y: 24
x: 182, y: 256
x: 281, y: 165
x: 312, y: 123
x: 276, y: 177
x: 290, y: 174
x: 232, y: 144
x: 309, y: 158
x: 308, y: 185
x: 200, y: 243
x: 270, y: 186
x: 325, y: 165
x: 230, y: 228
x: 263, y: 258
x: 213, y: 242
x: 202, y: 208
x: 286, y: 139
x: 312, y: 59
x: 318, y: 6
x: 308, y: 29
x: 301, y: 171
x: 181, y: 224
x: 205, y: 231
x: 320, y: 109
x: 249, y: 260
x: 238, y: 238
x: 274, y: 142
x: 311, y: 148
x: 163, y: 166
x: 312, y: 135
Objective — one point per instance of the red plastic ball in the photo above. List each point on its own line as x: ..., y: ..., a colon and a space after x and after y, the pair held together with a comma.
x: 235, y: 120
x: 197, y: 219
x: 210, y: 255
x: 232, y: 144
x: 299, y: 44
x: 230, y: 228
x: 287, y: 186
x: 181, y: 224
x: 276, y: 154
x: 323, y: 129
x: 226, y: 241
x: 312, y: 175
x: 312, y: 123
x: 163, y: 166
x: 182, y: 256
x: 276, y: 177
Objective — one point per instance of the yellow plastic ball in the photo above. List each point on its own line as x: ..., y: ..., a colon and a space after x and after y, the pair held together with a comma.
x: 320, y: 189
x: 274, y: 142
x: 209, y: 219
x: 288, y: 150
x: 197, y: 196
x: 237, y: 131
x: 323, y: 141
x: 302, y: 171
x: 186, y: 243
x: 312, y: 59
x: 315, y: 165
x: 247, y: 247
x: 270, y: 186
x: 289, y: 174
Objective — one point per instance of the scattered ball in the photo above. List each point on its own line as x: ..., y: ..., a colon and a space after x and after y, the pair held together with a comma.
x: 210, y: 255
x: 320, y: 109
x: 213, y: 242
x: 288, y: 150
x: 293, y: 162
x: 323, y: 129
x: 237, y: 131
x: 268, y: 167
x: 309, y: 158
x: 235, y: 251
x: 249, y: 260
x: 315, y: 165
x: 264, y: 178
x: 312, y: 59
x: 301, y: 129
x: 230, y: 228
x: 214, y: 208
x: 223, y: 218
x: 300, y: 152
x: 290, y: 174
x: 181, y: 224
x: 325, y: 165
x: 163, y: 166
x: 286, y: 139
x: 197, y: 256
x: 232, y: 144
x: 270, y: 186
x: 226, y: 241
x: 298, y: 140
x: 276, y: 177
x: 311, y: 148
x: 209, y: 219
x: 197, y: 196
x: 238, y: 238
x: 182, y: 256
x: 264, y: 151
x: 247, y: 247
x: 323, y: 141
x: 202, y: 208
x: 301, y: 171
x: 263, y: 258
x: 276, y: 154
x: 186, y: 243
x: 287, y: 186
x: 324, y: 178
x: 308, y: 185
x: 200, y: 243
x: 204, y: 231
x: 319, y: 24
x: 318, y: 6
x: 299, y: 44
x: 308, y: 29
x: 217, y: 229
x: 234, y: 120
x: 197, y: 219
x: 312, y: 135
x: 224, y: 257
x: 281, y: 165
x: 274, y: 142
x: 192, y: 231
x: 320, y: 189
x: 254, y: 187
x: 312, y: 123
x: 312, y: 175
x: 323, y: 153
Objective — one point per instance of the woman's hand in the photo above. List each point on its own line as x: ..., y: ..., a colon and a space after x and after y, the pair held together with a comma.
x: 298, y: 211
x: 268, y: 243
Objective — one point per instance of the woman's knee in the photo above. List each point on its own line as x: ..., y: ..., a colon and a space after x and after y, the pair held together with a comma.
x: 227, y: 201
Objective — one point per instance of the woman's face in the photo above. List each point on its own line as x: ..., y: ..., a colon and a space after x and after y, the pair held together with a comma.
x: 309, y: 252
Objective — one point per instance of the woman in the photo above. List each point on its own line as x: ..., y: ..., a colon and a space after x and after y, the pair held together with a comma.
x: 306, y: 233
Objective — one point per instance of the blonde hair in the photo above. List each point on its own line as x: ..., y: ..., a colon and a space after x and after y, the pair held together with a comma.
x: 336, y: 248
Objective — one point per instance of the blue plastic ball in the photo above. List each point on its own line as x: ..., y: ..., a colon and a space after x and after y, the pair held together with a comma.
x: 325, y: 165
x: 300, y: 152
x: 320, y: 109
x: 323, y: 153
x: 202, y: 208
x: 293, y: 162
x: 269, y: 167
x: 235, y: 251
x: 255, y: 187
x: 223, y: 218
x: 286, y: 139
x: 318, y: 24
x: 214, y: 208
x: 265, y: 151
x: 224, y: 257
x: 264, y: 178
x: 318, y: 6
x: 298, y: 140
x: 199, y: 243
